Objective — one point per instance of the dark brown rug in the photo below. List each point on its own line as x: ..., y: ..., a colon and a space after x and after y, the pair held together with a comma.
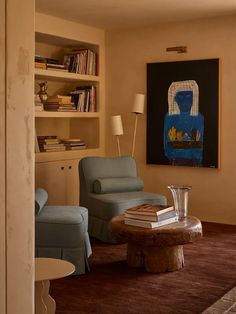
x: 111, y: 287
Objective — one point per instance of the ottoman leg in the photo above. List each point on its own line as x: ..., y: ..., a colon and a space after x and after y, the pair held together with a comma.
x: 163, y: 259
x: 135, y: 257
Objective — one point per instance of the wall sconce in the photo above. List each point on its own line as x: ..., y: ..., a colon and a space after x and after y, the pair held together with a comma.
x: 179, y: 49
x: 138, y: 108
x: 117, y: 129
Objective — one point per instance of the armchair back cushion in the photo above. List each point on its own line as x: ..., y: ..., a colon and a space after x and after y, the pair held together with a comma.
x: 93, y: 168
x: 117, y: 185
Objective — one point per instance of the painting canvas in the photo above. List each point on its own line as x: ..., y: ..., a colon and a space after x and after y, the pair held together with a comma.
x: 183, y: 113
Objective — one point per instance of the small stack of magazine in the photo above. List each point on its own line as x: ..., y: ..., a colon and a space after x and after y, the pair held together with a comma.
x: 150, y: 216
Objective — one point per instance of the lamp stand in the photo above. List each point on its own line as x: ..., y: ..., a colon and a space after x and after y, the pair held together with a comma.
x: 134, y: 136
x: 118, y: 145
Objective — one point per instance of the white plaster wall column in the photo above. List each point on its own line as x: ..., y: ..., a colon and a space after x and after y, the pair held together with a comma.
x: 18, y: 156
x: 2, y: 161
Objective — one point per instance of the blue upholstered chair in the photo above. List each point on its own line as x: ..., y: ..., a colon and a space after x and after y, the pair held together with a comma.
x: 62, y: 232
x: 108, y: 186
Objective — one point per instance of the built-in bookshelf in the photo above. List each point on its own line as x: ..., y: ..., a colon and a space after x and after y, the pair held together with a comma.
x: 84, y: 124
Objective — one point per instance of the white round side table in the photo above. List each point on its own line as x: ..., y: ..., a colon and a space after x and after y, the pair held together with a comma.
x: 47, y: 269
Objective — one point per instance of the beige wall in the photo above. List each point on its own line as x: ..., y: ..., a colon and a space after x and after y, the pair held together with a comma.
x: 213, y: 194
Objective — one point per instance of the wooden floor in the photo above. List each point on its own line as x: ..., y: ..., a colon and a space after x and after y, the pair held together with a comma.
x: 111, y: 287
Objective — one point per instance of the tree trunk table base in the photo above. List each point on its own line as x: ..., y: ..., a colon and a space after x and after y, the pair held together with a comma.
x: 156, y: 259
x: 160, y: 249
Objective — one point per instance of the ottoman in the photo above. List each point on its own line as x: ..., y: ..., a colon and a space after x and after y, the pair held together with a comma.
x: 61, y: 232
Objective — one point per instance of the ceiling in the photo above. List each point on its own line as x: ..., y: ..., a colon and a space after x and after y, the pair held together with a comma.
x: 120, y: 14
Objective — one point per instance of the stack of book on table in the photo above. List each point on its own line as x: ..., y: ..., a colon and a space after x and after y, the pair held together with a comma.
x: 150, y: 216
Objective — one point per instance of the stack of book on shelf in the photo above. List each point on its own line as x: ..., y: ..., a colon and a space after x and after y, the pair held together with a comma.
x: 150, y: 216
x: 84, y: 98
x: 50, y: 143
x: 40, y: 62
x: 38, y: 105
x: 73, y: 144
x: 82, y: 61
x: 59, y: 103
x: 53, y: 64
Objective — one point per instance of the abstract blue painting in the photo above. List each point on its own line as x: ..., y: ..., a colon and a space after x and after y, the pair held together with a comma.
x: 182, y: 119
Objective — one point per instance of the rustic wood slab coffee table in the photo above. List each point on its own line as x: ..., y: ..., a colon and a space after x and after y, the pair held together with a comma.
x: 160, y: 249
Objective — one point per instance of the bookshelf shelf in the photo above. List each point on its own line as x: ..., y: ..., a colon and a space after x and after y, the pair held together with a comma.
x: 66, y: 155
x: 42, y: 74
x: 66, y: 114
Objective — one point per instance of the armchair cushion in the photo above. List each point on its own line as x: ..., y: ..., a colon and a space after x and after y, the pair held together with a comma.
x: 117, y: 185
x: 41, y: 197
x: 106, y: 206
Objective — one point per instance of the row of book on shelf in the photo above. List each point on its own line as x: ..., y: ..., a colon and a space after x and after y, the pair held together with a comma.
x: 51, y: 143
x: 81, y: 61
x: 82, y: 99
x: 150, y: 216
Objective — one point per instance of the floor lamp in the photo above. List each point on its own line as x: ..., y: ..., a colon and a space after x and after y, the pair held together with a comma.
x: 138, y: 108
x: 117, y: 129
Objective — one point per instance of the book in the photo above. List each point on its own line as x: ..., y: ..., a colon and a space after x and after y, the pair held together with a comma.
x: 49, y: 146
x: 55, y: 66
x: 163, y: 216
x: 76, y: 147
x: 40, y: 65
x: 71, y: 140
x: 50, y: 107
x: 57, y: 69
x: 149, y: 209
x: 52, y: 141
x: 150, y: 224
x: 62, y: 99
x: 64, y: 109
x: 38, y: 106
x: 55, y: 149
x: 41, y: 59
x: 52, y: 61
x: 46, y: 137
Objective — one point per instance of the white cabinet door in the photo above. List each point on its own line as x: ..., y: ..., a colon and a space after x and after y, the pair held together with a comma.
x: 60, y: 180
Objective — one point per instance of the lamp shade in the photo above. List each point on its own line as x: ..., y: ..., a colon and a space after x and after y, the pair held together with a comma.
x: 116, y: 125
x: 138, y: 106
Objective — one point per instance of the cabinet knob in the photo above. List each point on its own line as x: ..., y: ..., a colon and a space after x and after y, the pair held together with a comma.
x: 62, y: 168
x: 70, y: 167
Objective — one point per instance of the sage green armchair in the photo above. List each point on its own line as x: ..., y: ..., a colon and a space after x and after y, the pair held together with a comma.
x: 108, y: 186
x: 61, y: 232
